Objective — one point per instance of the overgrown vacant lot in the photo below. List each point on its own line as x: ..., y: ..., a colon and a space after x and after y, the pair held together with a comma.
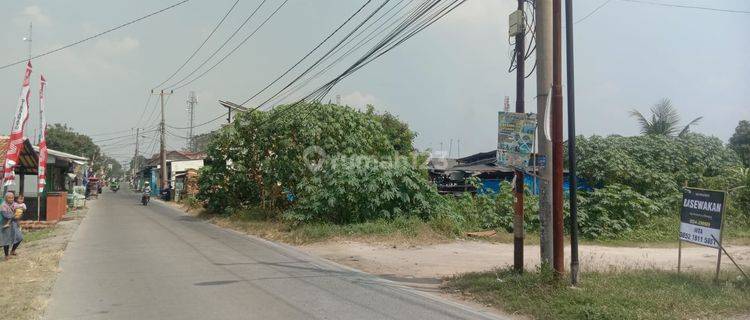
x: 401, y: 230
x: 661, y: 232
x: 645, y: 294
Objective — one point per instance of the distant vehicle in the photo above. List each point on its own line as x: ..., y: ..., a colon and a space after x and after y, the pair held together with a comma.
x: 114, y: 186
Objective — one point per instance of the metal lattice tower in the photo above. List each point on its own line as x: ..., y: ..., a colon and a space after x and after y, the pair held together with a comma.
x: 191, y: 103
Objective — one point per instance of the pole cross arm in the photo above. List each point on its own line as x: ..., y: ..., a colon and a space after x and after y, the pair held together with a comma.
x: 233, y: 106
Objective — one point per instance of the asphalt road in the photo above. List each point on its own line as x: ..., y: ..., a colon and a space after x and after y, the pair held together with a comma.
x: 127, y: 261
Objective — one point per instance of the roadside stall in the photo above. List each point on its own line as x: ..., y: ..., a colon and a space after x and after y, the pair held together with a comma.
x: 26, y: 171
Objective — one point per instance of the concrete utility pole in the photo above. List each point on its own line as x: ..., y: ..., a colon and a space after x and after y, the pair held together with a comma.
x: 192, y: 101
x: 162, y: 149
x: 135, y: 157
x: 557, y: 144
x: 518, y: 232
x: 543, y: 35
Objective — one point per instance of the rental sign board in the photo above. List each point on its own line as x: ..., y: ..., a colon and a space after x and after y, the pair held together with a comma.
x: 701, y: 216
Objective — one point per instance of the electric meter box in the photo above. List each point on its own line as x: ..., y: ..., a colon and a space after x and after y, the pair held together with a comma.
x: 516, y: 23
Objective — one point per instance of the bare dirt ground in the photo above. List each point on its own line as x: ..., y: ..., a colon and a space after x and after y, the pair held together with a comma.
x: 29, y: 277
x: 429, y: 263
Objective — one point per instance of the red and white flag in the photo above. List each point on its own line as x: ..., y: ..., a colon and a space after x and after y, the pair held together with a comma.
x: 15, y: 145
x: 42, y: 170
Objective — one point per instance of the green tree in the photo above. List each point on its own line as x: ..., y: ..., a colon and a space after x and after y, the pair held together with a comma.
x: 63, y: 138
x: 398, y: 131
x: 274, y: 151
x: 199, y: 142
x: 664, y: 120
x: 656, y: 166
x: 112, y: 167
x: 362, y: 188
x: 740, y: 142
x: 60, y: 137
x: 138, y: 162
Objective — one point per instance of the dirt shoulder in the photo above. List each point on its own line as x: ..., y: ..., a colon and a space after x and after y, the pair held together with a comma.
x: 29, y: 277
x: 425, y: 260
x: 437, y: 261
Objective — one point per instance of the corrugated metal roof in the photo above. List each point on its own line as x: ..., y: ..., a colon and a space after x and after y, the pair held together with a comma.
x: 61, y: 154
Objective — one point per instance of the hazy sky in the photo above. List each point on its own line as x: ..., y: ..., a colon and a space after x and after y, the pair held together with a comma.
x: 447, y: 82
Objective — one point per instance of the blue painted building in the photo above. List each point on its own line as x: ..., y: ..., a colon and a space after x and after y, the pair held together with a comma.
x: 451, y: 175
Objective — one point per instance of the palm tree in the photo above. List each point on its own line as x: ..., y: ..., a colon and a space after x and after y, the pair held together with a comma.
x: 664, y: 120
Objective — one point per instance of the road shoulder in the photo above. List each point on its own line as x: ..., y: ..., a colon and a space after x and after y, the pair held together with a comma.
x: 30, y: 276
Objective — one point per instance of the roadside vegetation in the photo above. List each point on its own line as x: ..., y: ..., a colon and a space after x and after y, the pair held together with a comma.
x: 326, y: 170
x: 637, y: 294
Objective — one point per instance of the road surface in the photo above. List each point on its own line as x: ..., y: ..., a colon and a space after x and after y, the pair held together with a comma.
x: 127, y: 261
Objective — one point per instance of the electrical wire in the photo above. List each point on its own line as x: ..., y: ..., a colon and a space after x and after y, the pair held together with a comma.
x: 153, y: 145
x: 528, y: 30
x: 175, y: 135
x: 213, y: 54
x: 330, y: 35
x: 407, y: 29
x: 687, y: 7
x: 371, y: 36
x: 93, y: 36
x: 328, y: 53
x: 592, y: 11
x: 151, y: 115
x: 235, y: 48
x: 108, y: 133
x: 199, y: 125
x: 132, y: 135
x: 145, y: 107
x: 201, y: 46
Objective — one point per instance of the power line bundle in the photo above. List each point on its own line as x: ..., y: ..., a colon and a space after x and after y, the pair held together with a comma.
x: 418, y: 18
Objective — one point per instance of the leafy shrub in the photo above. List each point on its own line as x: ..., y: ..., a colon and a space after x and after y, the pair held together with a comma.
x: 608, y: 211
x: 223, y: 183
x: 469, y: 212
x: 652, y: 165
x: 271, y: 151
x: 191, y: 202
x: 362, y: 188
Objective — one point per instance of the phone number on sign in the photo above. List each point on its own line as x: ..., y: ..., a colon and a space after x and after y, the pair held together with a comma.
x: 697, y: 238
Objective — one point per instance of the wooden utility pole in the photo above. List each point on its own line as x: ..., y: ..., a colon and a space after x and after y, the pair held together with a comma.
x: 135, y: 157
x: 543, y: 36
x: 557, y: 144
x: 164, y: 179
x: 519, y: 187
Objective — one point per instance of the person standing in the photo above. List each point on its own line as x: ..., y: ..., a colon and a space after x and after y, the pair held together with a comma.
x: 7, y: 234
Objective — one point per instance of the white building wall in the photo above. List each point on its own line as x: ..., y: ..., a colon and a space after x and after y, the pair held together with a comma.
x: 183, y: 165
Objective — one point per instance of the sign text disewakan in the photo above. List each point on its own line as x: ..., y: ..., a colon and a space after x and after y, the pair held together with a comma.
x: 701, y: 216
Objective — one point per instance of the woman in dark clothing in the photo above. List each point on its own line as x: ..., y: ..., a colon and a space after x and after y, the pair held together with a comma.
x: 10, y: 233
